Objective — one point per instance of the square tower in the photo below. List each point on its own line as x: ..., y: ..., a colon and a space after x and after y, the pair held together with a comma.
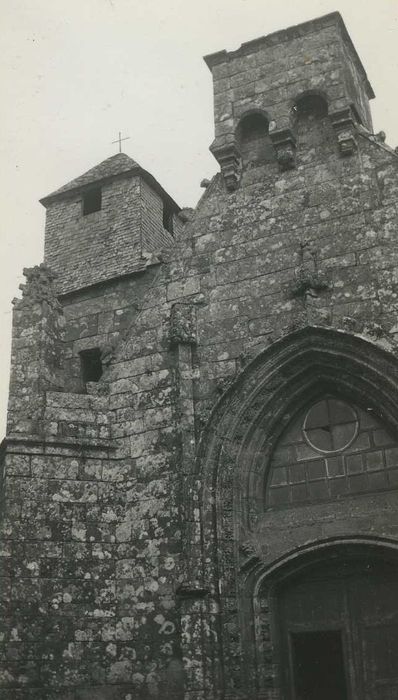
x: 104, y: 223
x: 269, y: 75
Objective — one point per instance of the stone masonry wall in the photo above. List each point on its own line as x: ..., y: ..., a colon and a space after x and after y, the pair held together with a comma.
x: 282, y: 252
x: 112, y: 516
x: 36, y: 352
x: 78, y: 611
x: 120, y: 579
x: 314, y: 246
x: 100, y: 317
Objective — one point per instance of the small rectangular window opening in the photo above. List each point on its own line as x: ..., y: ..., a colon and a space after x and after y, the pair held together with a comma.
x: 167, y: 218
x: 91, y: 365
x: 92, y: 201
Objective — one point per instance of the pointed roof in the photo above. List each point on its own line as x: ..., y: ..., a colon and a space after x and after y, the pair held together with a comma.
x: 119, y: 164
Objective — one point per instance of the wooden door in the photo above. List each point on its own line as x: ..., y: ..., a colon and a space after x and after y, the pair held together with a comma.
x: 374, y: 614
x: 339, y: 632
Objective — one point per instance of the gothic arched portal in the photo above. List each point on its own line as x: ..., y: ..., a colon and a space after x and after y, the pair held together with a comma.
x: 316, y: 414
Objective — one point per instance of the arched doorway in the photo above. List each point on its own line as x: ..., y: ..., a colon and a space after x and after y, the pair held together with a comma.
x: 338, y: 629
x: 345, y: 492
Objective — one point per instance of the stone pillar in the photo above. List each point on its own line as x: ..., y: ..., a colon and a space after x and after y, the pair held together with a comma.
x: 35, y: 352
x: 182, y: 340
x: 200, y: 643
x: 198, y: 609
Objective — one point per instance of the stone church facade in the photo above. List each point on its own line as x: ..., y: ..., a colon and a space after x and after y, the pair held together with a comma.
x: 201, y: 464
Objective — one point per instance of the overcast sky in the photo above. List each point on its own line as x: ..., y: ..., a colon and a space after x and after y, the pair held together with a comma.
x: 75, y: 73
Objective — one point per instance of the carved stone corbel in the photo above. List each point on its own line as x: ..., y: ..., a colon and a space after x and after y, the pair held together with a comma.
x: 343, y: 123
x: 229, y: 158
x: 182, y: 327
x: 284, y: 142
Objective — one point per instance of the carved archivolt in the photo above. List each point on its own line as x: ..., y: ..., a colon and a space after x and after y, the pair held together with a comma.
x: 242, y: 535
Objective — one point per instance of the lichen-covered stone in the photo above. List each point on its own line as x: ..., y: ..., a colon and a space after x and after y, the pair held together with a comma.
x: 137, y: 538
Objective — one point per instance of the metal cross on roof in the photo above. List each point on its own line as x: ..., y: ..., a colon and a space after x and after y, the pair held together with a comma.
x: 119, y: 141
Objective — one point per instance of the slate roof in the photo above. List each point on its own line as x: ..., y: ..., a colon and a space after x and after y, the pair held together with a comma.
x: 114, y: 166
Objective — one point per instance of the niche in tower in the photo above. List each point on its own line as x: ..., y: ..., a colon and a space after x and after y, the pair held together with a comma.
x: 310, y: 113
x: 253, y: 138
x: 311, y: 106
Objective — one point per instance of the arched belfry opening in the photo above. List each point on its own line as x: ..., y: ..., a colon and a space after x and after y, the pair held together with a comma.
x: 253, y: 137
x: 301, y: 454
x: 311, y: 124
x: 310, y: 106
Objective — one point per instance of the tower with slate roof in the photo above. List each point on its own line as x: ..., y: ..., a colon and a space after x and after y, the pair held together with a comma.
x: 105, y: 223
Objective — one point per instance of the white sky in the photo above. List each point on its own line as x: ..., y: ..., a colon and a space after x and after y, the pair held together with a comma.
x: 74, y: 73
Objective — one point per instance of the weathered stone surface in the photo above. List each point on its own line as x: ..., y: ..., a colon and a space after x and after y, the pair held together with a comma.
x: 182, y: 325
x: 138, y: 530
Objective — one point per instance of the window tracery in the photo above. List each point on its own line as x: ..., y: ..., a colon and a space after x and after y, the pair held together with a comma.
x: 330, y: 450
